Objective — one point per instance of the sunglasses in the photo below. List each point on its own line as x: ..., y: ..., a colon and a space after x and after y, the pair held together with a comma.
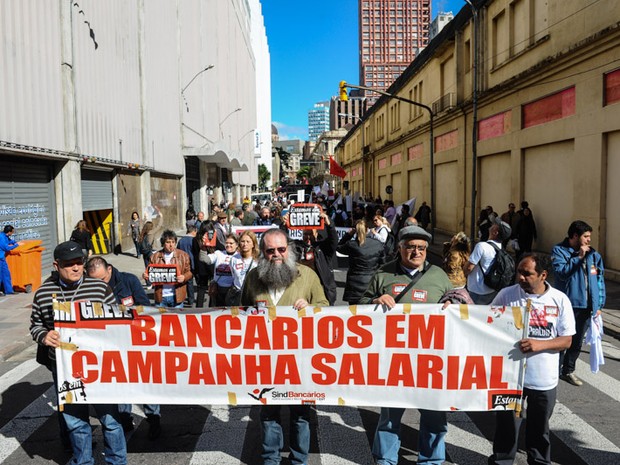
x: 280, y: 250
x: 419, y: 248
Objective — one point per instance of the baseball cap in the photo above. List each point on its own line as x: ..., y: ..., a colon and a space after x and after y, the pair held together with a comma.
x: 68, y: 251
x: 414, y: 232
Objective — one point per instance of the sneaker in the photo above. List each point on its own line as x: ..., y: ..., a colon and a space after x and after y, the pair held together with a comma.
x: 572, y: 379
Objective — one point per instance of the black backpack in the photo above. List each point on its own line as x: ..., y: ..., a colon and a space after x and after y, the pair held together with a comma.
x: 390, y: 245
x: 501, y: 272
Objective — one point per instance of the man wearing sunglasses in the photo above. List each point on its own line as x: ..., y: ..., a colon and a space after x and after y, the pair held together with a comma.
x: 279, y: 280
x: 68, y: 284
x: 409, y: 279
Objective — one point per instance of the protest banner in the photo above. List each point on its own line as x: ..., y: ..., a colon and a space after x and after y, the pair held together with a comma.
x: 162, y: 273
x: 460, y: 358
x: 305, y: 216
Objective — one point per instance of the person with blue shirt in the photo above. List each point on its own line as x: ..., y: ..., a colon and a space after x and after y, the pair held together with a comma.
x: 6, y: 245
x: 579, y: 274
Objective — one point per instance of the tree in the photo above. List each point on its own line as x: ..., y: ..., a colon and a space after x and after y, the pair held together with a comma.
x: 263, y: 177
x: 304, y: 172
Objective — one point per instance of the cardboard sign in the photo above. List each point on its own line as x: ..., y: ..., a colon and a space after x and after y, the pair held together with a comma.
x: 305, y: 216
x: 163, y: 274
x: 210, y: 238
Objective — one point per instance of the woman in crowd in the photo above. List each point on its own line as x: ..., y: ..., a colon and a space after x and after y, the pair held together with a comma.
x: 222, y: 274
x: 204, y: 241
x: 381, y: 229
x: 83, y: 237
x: 146, y: 238
x: 134, y: 230
x: 365, y: 256
x: 456, y: 256
x: 240, y: 266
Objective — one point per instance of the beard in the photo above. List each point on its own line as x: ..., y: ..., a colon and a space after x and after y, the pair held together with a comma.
x: 278, y: 274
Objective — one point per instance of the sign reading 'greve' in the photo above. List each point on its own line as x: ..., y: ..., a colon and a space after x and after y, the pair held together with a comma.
x: 163, y: 274
x: 305, y: 216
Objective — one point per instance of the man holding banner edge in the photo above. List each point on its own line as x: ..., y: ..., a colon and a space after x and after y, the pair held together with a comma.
x: 409, y: 279
x: 551, y: 326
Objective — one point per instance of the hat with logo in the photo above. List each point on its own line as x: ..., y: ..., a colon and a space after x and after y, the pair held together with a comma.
x: 68, y: 251
x: 414, y: 232
x: 222, y: 215
x: 504, y: 229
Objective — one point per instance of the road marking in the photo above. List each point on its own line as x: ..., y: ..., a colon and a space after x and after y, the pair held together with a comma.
x: 581, y: 438
x: 342, y: 438
x: 20, y: 371
x: 601, y: 381
x: 223, y: 435
x: 21, y: 427
x: 464, y: 441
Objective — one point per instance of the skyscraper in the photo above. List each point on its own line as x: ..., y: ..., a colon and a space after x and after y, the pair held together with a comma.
x: 391, y: 34
x: 318, y: 120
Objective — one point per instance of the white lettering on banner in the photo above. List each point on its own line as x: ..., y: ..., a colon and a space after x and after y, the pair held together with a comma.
x: 412, y: 356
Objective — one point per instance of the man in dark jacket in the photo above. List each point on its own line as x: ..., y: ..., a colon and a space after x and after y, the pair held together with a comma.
x: 129, y: 292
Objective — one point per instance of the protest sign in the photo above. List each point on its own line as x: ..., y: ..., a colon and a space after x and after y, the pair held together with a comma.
x: 460, y: 358
x: 163, y: 274
x: 305, y: 216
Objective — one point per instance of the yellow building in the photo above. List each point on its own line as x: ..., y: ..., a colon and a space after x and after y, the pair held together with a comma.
x: 548, y: 113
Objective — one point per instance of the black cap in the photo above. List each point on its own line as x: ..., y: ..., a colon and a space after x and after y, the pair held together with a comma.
x: 68, y: 251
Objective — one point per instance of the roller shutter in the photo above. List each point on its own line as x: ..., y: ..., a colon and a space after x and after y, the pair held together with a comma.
x: 96, y: 190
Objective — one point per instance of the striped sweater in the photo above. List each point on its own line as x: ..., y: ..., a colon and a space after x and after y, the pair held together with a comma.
x: 42, y: 316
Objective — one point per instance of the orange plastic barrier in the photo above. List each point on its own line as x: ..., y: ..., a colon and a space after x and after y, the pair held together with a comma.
x: 25, y: 265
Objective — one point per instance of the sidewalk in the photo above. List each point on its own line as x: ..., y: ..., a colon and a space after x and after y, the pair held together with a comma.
x: 15, y: 309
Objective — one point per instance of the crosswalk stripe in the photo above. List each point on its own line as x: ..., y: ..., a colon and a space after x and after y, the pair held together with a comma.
x: 601, y: 381
x: 464, y: 441
x: 20, y: 371
x: 582, y: 438
x: 21, y: 427
x: 222, y: 437
x: 344, y: 441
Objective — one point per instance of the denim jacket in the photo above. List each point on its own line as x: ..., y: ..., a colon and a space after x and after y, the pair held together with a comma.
x: 570, y: 277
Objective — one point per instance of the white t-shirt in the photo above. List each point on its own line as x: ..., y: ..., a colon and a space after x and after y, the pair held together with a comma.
x: 551, y: 316
x: 482, y: 256
x: 168, y: 289
x: 240, y: 267
x: 221, y: 261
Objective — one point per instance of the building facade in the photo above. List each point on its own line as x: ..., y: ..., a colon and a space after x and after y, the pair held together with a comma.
x: 437, y: 24
x: 547, y: 122
x: 346, y: 112
x: 391, y: 34
x: 126, y: 106
x: 318, y: 120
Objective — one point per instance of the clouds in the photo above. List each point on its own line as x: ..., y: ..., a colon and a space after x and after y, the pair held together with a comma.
x: 286, y: 132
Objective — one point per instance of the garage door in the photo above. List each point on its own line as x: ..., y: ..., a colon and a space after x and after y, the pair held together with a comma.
x: 96, y: 190
x: 28, y: 203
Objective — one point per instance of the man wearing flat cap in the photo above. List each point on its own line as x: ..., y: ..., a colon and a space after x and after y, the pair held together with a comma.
x: 68, y: 284
x: 480, y: 260
x: 222, y: 229
x: 409, y: 279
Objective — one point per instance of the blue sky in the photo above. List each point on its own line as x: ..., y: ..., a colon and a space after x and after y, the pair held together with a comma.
x: 313, y: 46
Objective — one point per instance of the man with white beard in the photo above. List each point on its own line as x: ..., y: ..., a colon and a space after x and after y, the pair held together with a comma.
x: 279, y: 280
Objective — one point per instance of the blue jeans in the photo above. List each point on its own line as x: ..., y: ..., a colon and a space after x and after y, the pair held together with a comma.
x: 77, y: 418
x: 169, y: 302
x: 431, y: 438
x: 273, y: 439
x: 149, y: 409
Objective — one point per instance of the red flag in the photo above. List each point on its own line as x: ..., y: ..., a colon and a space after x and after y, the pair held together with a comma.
x: 336, y: 169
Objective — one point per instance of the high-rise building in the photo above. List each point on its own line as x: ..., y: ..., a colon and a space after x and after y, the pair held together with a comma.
x: 318, y: 120
x: 343, y: 113
x: 438, y: 23
x: 391, y: 34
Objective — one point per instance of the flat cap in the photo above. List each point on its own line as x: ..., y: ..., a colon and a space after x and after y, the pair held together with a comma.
x: 414, y: 232
x: 222, y: 215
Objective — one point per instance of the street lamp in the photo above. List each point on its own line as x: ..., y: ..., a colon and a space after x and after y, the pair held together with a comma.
x: 192, y: 80
x: 225, y: 118
x: 431, y: 144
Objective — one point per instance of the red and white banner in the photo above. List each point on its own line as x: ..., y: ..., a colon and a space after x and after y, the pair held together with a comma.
x: 461, y: 358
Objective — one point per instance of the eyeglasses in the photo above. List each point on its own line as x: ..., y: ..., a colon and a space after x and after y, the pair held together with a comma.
x: 280, y: 250
x: 419, y: 248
